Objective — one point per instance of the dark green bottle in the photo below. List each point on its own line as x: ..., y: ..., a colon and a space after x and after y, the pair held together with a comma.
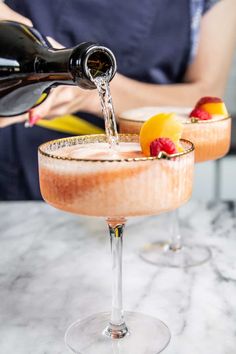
x: 30, y: 67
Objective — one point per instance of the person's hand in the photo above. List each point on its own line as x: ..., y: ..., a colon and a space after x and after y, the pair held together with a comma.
x: 67, y: 100
x: 6, y: 13
x: 62, y: 100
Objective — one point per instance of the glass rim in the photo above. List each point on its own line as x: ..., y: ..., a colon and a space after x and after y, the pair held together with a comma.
x: 197, y: 121
x: 161, y: 155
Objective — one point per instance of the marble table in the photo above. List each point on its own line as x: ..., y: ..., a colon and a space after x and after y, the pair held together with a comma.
x: 55, y: 268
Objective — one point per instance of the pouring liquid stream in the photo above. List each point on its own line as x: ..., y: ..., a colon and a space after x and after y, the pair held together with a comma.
x: 103, y: 87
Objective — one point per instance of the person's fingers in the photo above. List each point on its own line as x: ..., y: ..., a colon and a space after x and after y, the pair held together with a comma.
x: 4, y: 122
x: 6, y: 13
x: 65, y: 100
x: 42, y: 110
x: 54, y: 43
x: 22, y: 19
x: 84, y: 101
x: 56, y: 96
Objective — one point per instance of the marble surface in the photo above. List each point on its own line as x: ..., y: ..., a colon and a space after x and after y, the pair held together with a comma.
x: 55, y: 268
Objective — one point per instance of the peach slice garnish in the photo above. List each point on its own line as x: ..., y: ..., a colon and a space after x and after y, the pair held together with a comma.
x: 213, y: 105
x: 163, y: 125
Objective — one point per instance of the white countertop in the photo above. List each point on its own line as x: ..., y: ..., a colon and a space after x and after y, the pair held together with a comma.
x: 55, y: 268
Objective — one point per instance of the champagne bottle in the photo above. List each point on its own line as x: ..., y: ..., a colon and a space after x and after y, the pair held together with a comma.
x: 29, y: 67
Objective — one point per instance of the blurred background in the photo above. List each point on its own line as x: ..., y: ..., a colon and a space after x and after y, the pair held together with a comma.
x: 217, y: 179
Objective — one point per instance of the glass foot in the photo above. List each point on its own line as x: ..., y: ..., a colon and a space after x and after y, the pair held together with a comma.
x: 146, y: 335
x: 160, y: 253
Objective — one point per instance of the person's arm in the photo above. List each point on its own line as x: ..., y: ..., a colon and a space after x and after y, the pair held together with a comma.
x: 216, y: 48
x: 207, y: 75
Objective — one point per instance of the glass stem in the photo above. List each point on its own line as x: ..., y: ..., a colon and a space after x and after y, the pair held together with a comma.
x: 175, y: 242
x: 117, y: 327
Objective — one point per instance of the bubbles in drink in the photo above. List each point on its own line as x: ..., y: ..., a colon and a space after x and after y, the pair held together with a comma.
x: 99, y: 151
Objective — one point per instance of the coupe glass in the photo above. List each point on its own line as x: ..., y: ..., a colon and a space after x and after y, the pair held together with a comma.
x: 115, y: 189
x: 211, y: 139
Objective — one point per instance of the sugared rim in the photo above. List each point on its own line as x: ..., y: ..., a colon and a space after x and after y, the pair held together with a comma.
x: 209, y: 121
x: 162, y: 155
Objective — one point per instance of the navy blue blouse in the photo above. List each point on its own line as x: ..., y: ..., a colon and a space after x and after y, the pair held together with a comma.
x: 153, y: 40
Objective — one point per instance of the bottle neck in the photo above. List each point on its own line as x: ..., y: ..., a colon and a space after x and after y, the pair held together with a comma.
x: 76, y: 66
x: 55, y: 64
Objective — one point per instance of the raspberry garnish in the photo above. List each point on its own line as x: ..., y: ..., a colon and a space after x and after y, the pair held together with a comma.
x: 200, y: 114
x: 162, y: 144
